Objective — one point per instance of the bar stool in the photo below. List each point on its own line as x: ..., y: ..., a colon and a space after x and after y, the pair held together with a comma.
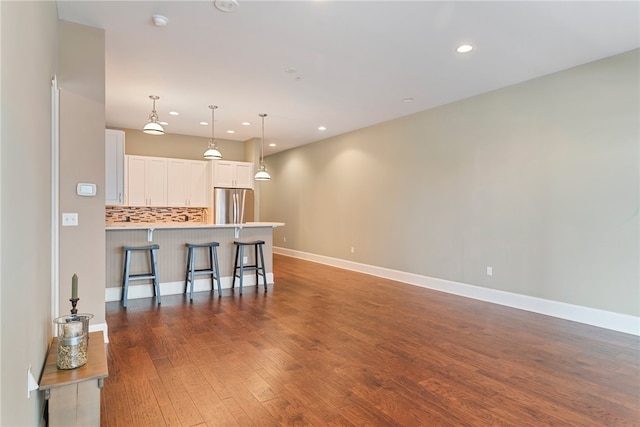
x: 192, y: 271
x: 128, y: 277
x: 258, y: 267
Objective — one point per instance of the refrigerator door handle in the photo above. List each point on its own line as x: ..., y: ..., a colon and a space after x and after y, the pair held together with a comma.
x: 235, y: 207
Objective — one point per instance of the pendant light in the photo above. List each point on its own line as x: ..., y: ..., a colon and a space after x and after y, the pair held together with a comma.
x: 262, y: 174
x: 153, y: 126
x: 212, y: 152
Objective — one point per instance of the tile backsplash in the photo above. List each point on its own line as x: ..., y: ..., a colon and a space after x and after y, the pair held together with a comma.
x: 120, y: 214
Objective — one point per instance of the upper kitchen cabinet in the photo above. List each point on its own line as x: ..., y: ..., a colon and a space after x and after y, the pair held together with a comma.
x: 114, y: 167
x: 187, y: 183
x: 232, y: 174
x: 146, y: 181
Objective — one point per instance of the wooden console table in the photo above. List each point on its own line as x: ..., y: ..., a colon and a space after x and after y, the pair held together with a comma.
x: 74, y: 394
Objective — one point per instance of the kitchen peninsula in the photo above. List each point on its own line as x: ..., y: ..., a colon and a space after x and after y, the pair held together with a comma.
x: 171, y: 257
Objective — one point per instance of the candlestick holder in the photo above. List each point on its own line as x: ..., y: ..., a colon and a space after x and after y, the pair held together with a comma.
x: 74, y: 302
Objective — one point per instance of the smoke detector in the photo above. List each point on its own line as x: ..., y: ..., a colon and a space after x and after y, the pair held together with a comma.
x: 160, y: 20
x: 226, y: 5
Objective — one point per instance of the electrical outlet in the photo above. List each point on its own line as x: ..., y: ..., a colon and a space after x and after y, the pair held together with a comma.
x: 489, y: 271
x: 284, y: 239
x: 353, y: 249
x: 245, y: 259
x: 69, y: 219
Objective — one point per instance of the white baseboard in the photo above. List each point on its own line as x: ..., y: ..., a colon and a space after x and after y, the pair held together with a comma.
x: 101, y: 327
x: 174, y: 288
x: 590, y: 316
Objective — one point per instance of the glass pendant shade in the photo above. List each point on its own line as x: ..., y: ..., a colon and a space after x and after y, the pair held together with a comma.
x: 153, y: 127
x: 262, y: 174
x: 212, y: 152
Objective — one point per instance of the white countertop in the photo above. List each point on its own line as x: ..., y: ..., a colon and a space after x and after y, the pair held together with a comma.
x: 179, y: 225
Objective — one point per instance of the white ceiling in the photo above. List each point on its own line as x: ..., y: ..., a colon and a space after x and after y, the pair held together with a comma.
x: 354, y: 61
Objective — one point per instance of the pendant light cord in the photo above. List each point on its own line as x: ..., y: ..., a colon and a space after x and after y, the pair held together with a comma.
x: 212, y: 152
x: 262, y: 174
x: 263, y: 115
x: 213, y: 123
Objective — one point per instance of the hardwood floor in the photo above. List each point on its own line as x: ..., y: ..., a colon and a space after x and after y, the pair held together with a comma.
x: 327, y: 347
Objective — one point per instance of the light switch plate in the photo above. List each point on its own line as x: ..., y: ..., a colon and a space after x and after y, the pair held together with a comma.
x: 69, y: 219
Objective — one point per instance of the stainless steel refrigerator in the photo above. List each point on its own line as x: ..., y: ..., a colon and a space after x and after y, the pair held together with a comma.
x: 232, y: 205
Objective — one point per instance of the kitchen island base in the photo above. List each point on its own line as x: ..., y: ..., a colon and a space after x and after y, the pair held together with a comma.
x: 172, y: 255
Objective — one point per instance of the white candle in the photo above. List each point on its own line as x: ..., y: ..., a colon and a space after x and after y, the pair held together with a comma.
x: 73, y: 329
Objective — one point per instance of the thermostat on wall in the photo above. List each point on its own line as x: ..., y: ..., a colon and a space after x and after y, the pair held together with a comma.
x: 85, y: 189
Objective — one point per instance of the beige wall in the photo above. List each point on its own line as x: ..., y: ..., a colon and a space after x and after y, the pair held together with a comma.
x: 538, y: 180
x: 178, y: 146
x: 35, y: 47
x: 28, y: 33
x: 82, y: 248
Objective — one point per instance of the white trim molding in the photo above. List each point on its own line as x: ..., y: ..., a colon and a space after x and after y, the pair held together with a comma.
x: 101, y: 327
x: 587, y: 315
x: 55, y: 201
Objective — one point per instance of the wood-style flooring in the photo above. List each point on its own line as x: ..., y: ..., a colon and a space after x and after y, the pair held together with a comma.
x: 330, y: 347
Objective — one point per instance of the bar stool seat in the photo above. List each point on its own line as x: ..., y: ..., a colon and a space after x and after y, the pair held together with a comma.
x: 152, y: 275
x: 212, y: 270
x: 239, y: 267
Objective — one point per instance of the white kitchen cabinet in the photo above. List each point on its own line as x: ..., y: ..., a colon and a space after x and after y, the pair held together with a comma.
x: 198, y: 185
x: 114, y: 167
x: 176, y: 182
x: 232, y: 174
x: 187, y: 183
x: 146, y: 181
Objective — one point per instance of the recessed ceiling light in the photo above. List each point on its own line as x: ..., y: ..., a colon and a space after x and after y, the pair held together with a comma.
x: 204, y: 123
x: 407, y: 99
x: 226, y: 5
x: 464, y: 48
x: 231, y: 131
x: 272, y: 145
x: 174, y: 113
x: 246, y: 124
x: 290, y: 70
x: 322, y: 128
